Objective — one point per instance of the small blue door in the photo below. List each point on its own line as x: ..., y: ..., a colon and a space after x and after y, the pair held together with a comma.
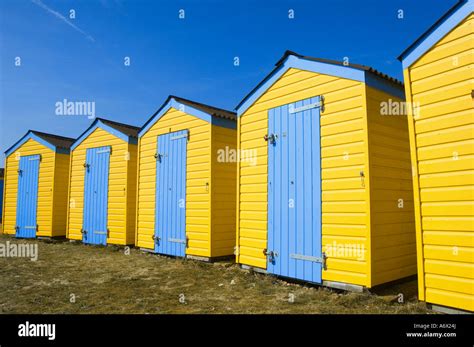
x: 170, y: 211
x: 96, y: 188
x: 27, y: 196
x: 294, y: 191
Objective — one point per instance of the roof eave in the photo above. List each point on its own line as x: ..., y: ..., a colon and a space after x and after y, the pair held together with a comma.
x: 436, y: 32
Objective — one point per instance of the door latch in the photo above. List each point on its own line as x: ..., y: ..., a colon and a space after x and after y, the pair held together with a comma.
x: 270, y: 255
x: 83, y: 232
x: 270, y: 138
x: 156, y: 238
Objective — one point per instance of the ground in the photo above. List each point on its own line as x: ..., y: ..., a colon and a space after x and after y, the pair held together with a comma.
x: 75, y: 278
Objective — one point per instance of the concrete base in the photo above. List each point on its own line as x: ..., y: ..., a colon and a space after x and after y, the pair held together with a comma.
x: 192, y: 257
x: 345, y: 286
x: 447, y: 310
x: 147, y: 250
x: 330, y: 284
x: 52, y: 239
x: 210, y: 259
x: 254, y: 269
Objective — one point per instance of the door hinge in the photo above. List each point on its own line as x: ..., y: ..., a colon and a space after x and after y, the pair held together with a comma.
x: 321, y: 260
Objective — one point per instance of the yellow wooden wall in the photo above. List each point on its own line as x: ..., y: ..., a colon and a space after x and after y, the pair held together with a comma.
x: 119, y: 185
x: 60, y: 192
x: 198, y: 173
x: 345, y: 208
x: 131, y: 193
x: 45, y: 187
x: 223, y: 192
x: 391, y: 191
x: 442, y: 148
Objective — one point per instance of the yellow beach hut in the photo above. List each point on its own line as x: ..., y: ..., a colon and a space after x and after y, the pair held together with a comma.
x: 328, y: 199
x: 102, y: 184
x: 187, y: 181
x: 35, y: 186
x: 439, y: 78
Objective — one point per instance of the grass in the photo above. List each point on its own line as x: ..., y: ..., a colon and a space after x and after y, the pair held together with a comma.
x: 106, y: 280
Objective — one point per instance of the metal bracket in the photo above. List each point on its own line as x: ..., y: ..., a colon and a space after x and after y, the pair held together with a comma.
x: 177, y: 240
x: 321, y: 260
x: 83, y: 231
x: 179, y: 137
x: 101, y: 232
x: 155, y: 238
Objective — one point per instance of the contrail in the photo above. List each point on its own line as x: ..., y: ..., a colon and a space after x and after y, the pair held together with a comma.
x: 61, y: 17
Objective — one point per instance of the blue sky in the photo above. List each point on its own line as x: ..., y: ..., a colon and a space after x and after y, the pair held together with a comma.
x: 82, y: 59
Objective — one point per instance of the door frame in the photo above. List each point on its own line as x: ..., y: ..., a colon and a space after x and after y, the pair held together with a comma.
x: 309, y: 107
x: 172, y: 246
x: 20, y: 209
x: 95, y: 240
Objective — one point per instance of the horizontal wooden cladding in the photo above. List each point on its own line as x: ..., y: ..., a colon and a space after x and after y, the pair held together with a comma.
x: 342, y: 156
x: 441, y: 194
x: 449, y: 237
x: 455, y: 75
x: 60, y: 199
x: 198, y: 173
x: 440, y: 111
x: 441, y: 83
x: 117, y: 209
x: 391, y: 192
x: 454, y: 163
x: 448, y: 298
x: 451, y: 208
x: 452, y: 150
x: 448, y: 268
x: 45, y: 187
x: 449, y: 252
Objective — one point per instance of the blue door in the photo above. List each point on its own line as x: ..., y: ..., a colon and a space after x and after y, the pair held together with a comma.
x: 27, y: 198
x: 96, y: 187
x: 294, y: 191
x: 170, y: 212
